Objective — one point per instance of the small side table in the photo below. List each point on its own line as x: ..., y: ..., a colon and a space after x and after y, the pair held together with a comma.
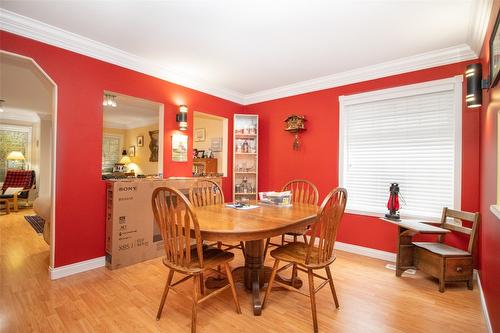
x: 6, y: 204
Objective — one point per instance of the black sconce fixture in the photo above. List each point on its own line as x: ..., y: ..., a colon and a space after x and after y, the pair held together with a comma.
x: 475, y: 85
x: 181, y: 117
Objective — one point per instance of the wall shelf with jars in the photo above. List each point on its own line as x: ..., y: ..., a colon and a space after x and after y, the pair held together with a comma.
x: 245, y: 157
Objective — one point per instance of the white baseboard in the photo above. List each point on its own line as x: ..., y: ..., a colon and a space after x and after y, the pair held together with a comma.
x: 366, y: 251
x: 78, y: 267
x: 361, y: 250
x: 486, y: 315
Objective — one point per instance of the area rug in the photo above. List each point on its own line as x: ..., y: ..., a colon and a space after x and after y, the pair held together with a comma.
x: 36, y: 222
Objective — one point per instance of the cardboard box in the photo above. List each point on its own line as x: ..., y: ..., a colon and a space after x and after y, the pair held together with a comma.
x: 132, y: 235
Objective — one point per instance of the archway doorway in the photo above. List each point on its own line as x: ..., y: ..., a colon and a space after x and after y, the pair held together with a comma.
x: 30, y: 106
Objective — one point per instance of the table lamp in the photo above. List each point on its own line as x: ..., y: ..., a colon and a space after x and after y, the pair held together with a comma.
x: 15, y: 156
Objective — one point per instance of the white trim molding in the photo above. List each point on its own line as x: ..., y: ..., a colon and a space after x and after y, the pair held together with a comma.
x: 478, y: 23
x: 34, y: 29
x: 361, y: 250
x: 495, y: 209
x: 79, y: 267
x: 399, y: 66
x: 37, y: 30
x: 484, y: 307
x: 366, y: 251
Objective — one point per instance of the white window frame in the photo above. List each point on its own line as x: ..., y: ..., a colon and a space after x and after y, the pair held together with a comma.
x: 448, y: 84
x: 24, y: 129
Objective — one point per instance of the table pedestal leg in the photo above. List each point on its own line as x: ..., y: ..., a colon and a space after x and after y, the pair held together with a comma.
x: 253, y: 275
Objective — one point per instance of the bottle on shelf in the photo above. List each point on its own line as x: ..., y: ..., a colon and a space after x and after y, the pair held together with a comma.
x: 245, y: 146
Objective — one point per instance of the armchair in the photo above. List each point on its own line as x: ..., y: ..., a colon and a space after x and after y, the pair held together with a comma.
x: 24, y: 179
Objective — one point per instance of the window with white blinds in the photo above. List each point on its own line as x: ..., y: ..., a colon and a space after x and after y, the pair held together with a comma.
x: 409, y: 135
x: 111, y: 151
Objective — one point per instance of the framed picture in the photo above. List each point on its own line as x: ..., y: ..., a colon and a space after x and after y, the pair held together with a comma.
x: 216, y: 144
x: 495, y: 53
x: 140, y: 141
x: 179, y: 148
x: 200, y: 134
x: 153, y: 145
x: 131, y: 151
x: 200, y: 154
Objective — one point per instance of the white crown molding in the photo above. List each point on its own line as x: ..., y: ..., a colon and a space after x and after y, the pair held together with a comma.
x: 82, y: 266
x: 28, y: 27
x: 403, y: 65
x: 478, y: 23
x: 136, y: 124
x: 20, y: 116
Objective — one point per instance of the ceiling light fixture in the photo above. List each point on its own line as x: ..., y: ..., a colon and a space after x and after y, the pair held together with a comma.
x: 109, y: 100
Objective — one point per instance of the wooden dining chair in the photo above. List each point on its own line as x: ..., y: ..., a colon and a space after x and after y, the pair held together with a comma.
x: 206, y: 192
x: 305, y: 192
x: 445, y: 262
x: 184, y: 251
x: 317, y: 254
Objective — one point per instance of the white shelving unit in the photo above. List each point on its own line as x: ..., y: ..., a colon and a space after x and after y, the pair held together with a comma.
x: 245, y: 157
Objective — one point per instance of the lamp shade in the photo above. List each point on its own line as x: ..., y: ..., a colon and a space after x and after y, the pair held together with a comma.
x: 125, y: 160
x: 15, y: 155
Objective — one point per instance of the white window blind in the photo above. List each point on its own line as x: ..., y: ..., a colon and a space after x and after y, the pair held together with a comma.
x: 111, y: 152
x: 408, y: 135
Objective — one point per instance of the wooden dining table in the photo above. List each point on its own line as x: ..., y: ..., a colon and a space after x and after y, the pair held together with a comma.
x: 253, y: 226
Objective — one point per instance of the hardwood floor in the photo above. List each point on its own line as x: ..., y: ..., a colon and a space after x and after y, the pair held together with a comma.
x: 371, y: 298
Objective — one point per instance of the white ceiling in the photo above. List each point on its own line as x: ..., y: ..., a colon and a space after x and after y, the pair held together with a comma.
x: 26, y: 91
x: 130, y: 112
x: 242, y: 49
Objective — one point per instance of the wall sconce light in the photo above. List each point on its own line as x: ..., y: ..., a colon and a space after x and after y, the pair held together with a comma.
x: 109, y: 100
x: 181, y: 117
x: 475, y: 85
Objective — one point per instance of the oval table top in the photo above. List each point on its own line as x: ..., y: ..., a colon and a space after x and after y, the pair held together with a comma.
x: 222, y: 223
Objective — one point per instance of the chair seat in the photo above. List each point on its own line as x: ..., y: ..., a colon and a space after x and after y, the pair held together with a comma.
x: 212, y: 258
x: 442, y: 249
x: 296, y: 252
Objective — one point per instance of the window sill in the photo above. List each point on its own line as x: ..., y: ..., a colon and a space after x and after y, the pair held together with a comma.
x: 495, y: 209
x: 408, y: 217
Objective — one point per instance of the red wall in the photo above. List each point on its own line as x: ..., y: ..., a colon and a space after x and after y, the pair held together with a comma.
x: 490, y: 225
x: 81, y: 81
x: 317, y: 159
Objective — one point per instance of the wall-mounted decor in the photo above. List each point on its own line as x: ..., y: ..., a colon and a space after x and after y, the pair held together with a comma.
x: 140, y: 141
x: 200, y: 134
x: 153, y: 145
x: 216, y: 144
x: 495, y: 53
x: 295, y: 124
x: 179, y: 148
x: 131, y: 151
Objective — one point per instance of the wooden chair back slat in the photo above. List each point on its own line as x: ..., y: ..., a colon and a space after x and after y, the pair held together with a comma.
x: 205, y: 192
x: 303, y: 191
x: 326, y: 227
x: 473, y: 218
x: 175, y: 218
